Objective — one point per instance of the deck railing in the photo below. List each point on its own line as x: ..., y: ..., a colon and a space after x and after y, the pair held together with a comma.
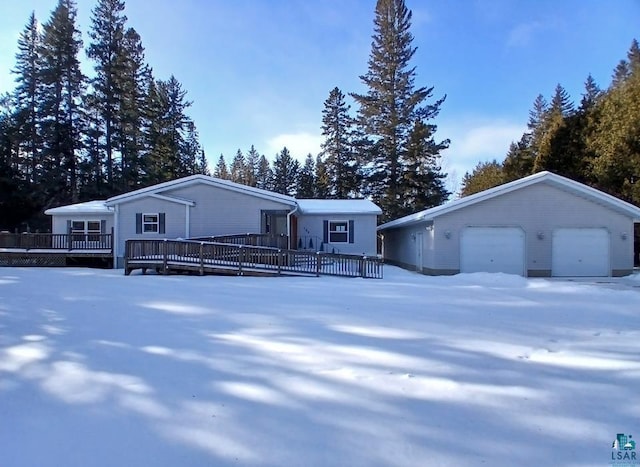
x: 48, y: 241
x: 251, y: 239
x: 166, y: 255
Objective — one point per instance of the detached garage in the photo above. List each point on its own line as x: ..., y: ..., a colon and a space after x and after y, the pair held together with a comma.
x: 541, y: 225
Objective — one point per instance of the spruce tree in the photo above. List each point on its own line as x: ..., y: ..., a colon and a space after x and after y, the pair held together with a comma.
x: 337, y: 148
x: 251, y: 163
x: 221, y: 170
x: 107, y: 51
x: 264, y: 174
x: 26, y: 96
x: 307, y: 179
x: 61, y: 94
x: 323, y: 181
x: 238, y: 169
x: 392, y: 104
x: 285, y: 173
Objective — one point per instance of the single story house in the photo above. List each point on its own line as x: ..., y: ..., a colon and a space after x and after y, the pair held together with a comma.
x: 203, y: 206
x: 538, y: 226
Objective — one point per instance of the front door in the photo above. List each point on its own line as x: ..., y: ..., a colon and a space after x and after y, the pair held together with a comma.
x: 274, y: 224
x: 419, y: 250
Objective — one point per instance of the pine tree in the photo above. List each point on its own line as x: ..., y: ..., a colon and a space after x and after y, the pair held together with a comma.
x: 423, y: 181
x: 392, y: 104
x: 264, y: 174
x: 238, y: 168
x: 26, y: 97
x: 337, y: 148
x: 61, y: 93
x: 485, y: 175
x: 107, y: 51
x: 553, y: 136
x: 591, y: 94
x: 251, y: 166
x: 285, y: 173
x: 307, y: 179
x: 221, y: 169
x: 323, y: 182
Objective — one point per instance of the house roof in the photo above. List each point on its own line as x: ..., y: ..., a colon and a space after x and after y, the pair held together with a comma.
x: 160, y: 188
x: 90, y: 207
x: 558, y: 181
x: 337, y: 206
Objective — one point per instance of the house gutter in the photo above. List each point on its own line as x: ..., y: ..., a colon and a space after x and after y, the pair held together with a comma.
x: 289, y: 214
x: 114, y: 240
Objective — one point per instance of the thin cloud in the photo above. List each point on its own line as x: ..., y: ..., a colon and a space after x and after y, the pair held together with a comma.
x: 299, y: 144
x: 522, y: 35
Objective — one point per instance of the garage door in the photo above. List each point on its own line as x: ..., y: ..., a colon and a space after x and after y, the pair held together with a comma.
x: 492, y: 249
x: 580, y: 253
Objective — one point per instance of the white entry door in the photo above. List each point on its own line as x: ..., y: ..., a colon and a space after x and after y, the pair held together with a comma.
x: 419, y: 250
x: 492, y: 249
x: 578, y: 252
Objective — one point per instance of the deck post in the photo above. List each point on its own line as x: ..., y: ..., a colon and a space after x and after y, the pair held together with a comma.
x: 69, y: 237
x: 318, y: 263
x: 363, y: 267
x: 202, y: 258
x: 164, y: 257
x: 279, y: 262
x: 240, y: 255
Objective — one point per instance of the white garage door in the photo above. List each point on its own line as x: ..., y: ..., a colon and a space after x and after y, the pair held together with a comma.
x: 580, y: 253
x: 492, y: 249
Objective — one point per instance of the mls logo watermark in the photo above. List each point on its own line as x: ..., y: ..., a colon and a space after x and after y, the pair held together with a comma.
x: 623, y: 451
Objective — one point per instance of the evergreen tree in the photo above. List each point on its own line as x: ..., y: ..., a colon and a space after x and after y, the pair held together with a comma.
x: 323, y: 182
x: 61, y: 93
x: 591, y: 94
x: 107, y: 51
x: 553, y: 136
x: 337, y: 149
x: 221, y: 170
x: 423, y: 181
x: 238, y: 168
x: 307, y: 179
x: 392, y: 104
x: 264, y: 174
x: 26, y: 98
x: 485, y: 175
x: 285, y: 173
x: 251, y: 167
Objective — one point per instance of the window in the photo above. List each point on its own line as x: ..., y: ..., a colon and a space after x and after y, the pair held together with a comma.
x: 338, y: 231
x: 150, y: 223
x: 86, y: 231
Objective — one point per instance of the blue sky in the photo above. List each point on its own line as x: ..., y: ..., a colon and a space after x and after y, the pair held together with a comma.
x: 258, y: 71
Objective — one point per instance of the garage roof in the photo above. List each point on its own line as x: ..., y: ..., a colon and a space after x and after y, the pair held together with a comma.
x: 541, y: 177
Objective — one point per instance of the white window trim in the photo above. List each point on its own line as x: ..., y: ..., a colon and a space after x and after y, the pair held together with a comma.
x: 156, y: 223
x: 346, y: 231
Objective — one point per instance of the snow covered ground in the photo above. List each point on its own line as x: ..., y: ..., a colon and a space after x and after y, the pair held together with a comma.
x: 99, y: 369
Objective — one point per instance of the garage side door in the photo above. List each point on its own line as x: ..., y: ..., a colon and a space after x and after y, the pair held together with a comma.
x: 492, y: 249
x: 580, y: 253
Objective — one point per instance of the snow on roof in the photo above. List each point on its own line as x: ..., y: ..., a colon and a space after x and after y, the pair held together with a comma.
x: 338, y: 206
x: 547, y: 177
x: 90, y: 207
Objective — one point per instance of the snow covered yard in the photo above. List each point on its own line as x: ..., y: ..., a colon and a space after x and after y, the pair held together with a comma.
x: 99, y: 369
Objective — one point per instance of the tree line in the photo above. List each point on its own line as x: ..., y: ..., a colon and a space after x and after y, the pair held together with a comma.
x: 66, y: 137
x: 386, y: 150
x: 596, y: 142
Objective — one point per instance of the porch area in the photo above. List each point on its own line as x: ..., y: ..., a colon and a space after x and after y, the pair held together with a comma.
x: 47, y: 249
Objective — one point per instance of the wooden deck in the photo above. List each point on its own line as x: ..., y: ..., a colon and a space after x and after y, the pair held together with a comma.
x: 45, y: 249
x: 172, y: 256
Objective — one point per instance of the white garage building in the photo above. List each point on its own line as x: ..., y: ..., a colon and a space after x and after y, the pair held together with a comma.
x: 541, y: 225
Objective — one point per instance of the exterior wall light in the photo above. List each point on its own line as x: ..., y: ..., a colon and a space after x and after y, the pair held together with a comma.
x: 623, y: 235
x: 540, y: 235
x: 447, y: 234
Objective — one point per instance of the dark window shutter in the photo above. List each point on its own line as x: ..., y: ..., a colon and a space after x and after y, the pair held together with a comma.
x: 139, y: 223
x: 68, y: 227
x: 351, y: 231
x: 161, y: 218
x: 325, y: 231
x: 103, y: 226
